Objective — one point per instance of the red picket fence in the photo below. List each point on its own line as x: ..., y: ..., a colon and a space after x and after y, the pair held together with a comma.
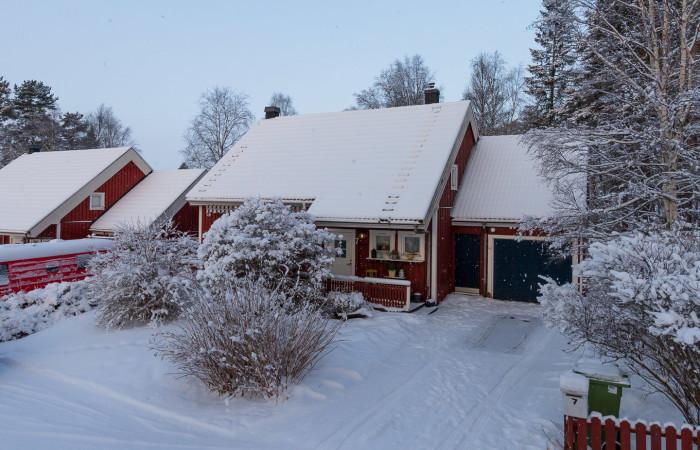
x: 387, y: 293
x: 612, y: 432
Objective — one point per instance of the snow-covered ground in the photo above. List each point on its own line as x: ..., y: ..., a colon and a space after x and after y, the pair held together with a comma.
x: 477, y: 373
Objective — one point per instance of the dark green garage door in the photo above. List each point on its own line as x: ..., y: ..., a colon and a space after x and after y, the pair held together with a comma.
x: 517, y: 266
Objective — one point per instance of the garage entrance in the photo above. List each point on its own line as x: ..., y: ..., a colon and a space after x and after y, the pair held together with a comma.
x: 515, y: 267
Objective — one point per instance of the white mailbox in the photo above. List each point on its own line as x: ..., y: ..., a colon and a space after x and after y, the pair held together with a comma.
x: 574, y: 394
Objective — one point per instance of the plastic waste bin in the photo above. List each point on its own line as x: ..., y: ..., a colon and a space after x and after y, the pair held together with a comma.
x: 605, y: 384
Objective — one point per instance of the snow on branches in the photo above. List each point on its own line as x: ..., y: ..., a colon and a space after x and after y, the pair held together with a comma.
x: 640, y: 300
x: 145, y: 278
x: 265, y: 240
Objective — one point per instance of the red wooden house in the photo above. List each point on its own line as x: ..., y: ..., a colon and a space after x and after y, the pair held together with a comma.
x: 383, y: 180
x: 50, y: 195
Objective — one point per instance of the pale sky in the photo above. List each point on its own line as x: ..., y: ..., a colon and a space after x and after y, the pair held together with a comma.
x: 151, y: 60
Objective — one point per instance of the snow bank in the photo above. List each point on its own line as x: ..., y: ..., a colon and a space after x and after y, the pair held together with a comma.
x: 22, y: 314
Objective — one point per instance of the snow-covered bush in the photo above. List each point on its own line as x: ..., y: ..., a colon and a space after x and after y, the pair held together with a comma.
x: 248, y: 339
x: 145, y: 278
x: 640, y: 300
x: 266, y: 240
x: 349, y: 303
x: 24, y: 313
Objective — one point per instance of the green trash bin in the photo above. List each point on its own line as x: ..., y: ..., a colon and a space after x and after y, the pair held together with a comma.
x: 605, y: 384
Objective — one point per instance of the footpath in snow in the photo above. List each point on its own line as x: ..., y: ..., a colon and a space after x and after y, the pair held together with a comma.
x: 477, y: 373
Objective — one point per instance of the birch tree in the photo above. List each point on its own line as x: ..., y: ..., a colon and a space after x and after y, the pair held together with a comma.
x: 637, y: 165
x: 401, y: 84
x: 222, y: 120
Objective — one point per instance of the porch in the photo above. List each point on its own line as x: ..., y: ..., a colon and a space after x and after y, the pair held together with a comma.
x: 389, y: 294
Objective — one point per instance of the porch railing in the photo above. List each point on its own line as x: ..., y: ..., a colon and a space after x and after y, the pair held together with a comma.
x: 393, y: 295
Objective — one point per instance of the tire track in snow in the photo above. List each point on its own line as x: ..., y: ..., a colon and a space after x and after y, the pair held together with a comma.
x: 479, y: 414
x: 97, y: 389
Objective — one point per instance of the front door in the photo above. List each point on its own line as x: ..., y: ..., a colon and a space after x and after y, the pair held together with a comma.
x: 467, y: 261
x: 344, y: 263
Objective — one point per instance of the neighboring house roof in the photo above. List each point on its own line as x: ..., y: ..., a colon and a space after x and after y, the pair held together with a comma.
x: 501, y: 183
x: 38, y: 189
x: 160, y: 194
x: 382, y: 165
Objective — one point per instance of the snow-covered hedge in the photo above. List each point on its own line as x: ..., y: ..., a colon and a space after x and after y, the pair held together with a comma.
x: 266, y: 240
x: 640, y: 300
x: 349, y: 303
x: 145, y: 278
x: 24, y: 313
x: 248, y: 339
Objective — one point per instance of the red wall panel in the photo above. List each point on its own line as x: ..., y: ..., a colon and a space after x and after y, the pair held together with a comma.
x: 76, y: 224
x: 187, y: 219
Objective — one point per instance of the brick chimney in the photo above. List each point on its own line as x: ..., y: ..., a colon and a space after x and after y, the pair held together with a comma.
x: 271, y: 112
x: 432, y: 94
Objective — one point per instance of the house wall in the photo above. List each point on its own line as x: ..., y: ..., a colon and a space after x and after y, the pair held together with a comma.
x: 76, y: 224
x: 445, y: 237
x: 416, y: 272
x: 484, y: 233
x: 187, y: 219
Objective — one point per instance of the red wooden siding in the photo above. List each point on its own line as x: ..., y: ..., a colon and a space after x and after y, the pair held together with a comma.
x: 187, y: 219
x: 30, y: 274
x: 445, y: 242
x: 207, y: 219
x: 76, y: 224
x: 386, y: 295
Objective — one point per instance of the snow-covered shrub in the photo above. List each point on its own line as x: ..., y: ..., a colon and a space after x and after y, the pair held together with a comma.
x: 266, y: 240
x: 640, y: 300
x: 24, y: 313
x: 145, y: 278
x: 248, y: 339
x: 349, y: 303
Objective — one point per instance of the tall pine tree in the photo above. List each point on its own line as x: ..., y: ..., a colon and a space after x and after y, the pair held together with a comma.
x: 552, y: 65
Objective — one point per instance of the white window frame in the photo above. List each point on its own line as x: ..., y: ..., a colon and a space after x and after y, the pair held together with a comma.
x: 402, y: 245
x: 373, y: 241
x: 97, y: 195
x: 454, y: 177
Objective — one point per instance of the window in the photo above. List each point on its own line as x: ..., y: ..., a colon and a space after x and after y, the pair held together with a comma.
x: 411, y: 245
x: 454, y: 177
x: 52, y: 269
x: 382, y: 242
x: 81, y: 261
x: 97, y: 201
x: 4, y: 275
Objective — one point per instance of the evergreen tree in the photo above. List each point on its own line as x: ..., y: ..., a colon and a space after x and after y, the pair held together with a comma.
x: 76, y: 133
x: 552, y: 65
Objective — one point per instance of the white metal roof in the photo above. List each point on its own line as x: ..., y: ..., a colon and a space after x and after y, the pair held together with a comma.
x: 159, y: 194
x: 500, y: 183
x: 38, y: 189
x: 356, y: 166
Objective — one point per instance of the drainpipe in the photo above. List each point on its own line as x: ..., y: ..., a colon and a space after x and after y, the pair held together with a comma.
x: 434, y: 257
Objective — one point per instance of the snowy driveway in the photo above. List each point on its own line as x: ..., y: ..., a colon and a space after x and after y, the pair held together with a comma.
x: 477, y: 373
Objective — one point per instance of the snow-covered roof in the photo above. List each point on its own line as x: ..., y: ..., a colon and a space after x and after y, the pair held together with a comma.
x: 162, y: 193
x: 500, y: 183
x: 353, y: 166
x: 38, y: 189
x: 16, y: 252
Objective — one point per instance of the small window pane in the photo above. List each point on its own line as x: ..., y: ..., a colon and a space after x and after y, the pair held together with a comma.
x: 51, y: 269
x: 96, y: 201
x: 383, y: 243
x: 412, y: 244
x: 4, y: 275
